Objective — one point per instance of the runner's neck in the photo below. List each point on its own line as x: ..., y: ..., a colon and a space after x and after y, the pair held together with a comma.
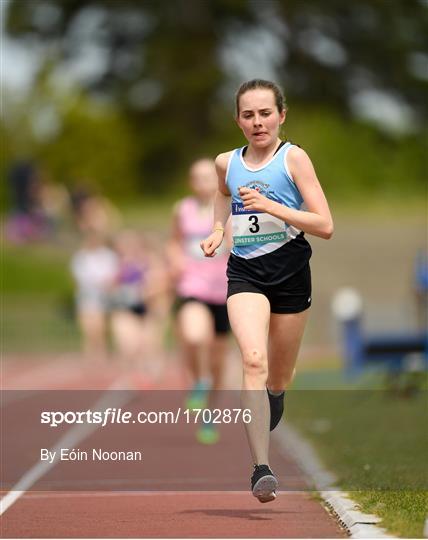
x: 253, y: 157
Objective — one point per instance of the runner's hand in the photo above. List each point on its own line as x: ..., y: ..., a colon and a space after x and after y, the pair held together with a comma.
x: 210, y: 244
x: 253, y: 200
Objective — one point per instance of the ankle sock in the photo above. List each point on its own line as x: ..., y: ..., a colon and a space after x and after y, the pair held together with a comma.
x: 276, y: 403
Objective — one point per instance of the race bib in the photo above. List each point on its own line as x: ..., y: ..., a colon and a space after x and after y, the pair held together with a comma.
x: 251, y: 227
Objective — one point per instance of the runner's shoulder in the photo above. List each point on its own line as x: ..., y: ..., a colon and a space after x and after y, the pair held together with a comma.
x: 222, y: 160
x: 299, y: 163
x: 297, y: 155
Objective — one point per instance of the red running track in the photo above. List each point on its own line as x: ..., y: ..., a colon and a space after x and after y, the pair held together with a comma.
x: 156, y: 514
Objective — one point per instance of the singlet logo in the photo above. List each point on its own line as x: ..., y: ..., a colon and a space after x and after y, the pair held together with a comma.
x: 259, y: 186
x: 262, y: 188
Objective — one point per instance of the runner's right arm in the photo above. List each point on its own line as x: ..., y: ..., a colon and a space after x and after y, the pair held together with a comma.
x: 221, y: 208
x: 221, y: 215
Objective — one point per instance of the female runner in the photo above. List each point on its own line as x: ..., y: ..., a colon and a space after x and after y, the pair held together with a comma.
x: 273, y: 193
x: 201, y: 287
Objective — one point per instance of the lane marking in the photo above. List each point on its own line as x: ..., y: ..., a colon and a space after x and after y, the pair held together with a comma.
x: 120, y: 494
x: 126, y: 484
x: 71, y: 438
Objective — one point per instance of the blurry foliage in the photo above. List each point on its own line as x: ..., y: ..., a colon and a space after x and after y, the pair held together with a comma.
x: 98, y: 146
x: 88, y: 143
x: 353, y: 159
x: 155, y: 99
x: 368, y: 43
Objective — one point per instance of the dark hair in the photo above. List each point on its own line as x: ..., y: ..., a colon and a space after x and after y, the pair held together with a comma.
x: 261, y: 83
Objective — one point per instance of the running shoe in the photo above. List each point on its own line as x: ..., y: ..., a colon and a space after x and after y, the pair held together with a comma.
x: 263, y: 483
x: 207, y: 434
x: 197, y: 399
x: 276, y: 404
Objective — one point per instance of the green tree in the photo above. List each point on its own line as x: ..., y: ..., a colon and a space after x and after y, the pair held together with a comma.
x: 160, y: 63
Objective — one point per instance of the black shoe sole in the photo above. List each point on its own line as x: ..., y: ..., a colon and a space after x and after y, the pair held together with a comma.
x: 264, y: 488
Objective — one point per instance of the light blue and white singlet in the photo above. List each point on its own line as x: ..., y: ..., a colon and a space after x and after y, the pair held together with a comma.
x: 259, y: 233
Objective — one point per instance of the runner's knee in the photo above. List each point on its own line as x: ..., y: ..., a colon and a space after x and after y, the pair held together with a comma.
x: 255, y: 363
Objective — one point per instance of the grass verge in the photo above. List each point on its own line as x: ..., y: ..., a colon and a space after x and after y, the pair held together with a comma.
x: 375, y: 441
x: 37, y: 300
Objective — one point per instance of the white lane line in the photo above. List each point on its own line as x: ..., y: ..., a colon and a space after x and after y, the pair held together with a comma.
x: 159, y: 493
x: 75, y: 435
x: 149, y: 485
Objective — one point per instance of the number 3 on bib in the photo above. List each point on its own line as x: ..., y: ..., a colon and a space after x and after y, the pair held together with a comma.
x: 255, y: 228
x: 251, y: 227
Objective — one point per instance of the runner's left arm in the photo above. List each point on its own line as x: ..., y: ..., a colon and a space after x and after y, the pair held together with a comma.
x: 221, y: 208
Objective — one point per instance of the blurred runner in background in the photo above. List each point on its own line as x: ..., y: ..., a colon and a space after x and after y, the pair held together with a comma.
x: 202, y: 324
x: 39, y: 206
x: 135, y: 327
x: 94, y: 268
x: 94, y: 211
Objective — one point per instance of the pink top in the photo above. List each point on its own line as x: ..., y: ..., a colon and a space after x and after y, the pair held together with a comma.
x: 203, y: 278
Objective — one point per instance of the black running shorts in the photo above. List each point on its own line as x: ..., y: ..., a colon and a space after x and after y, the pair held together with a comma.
x: 218, y: 311
x: 292, y: 295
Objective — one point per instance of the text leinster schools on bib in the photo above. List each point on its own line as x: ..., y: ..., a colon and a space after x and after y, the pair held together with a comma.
x: 252, y: 227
